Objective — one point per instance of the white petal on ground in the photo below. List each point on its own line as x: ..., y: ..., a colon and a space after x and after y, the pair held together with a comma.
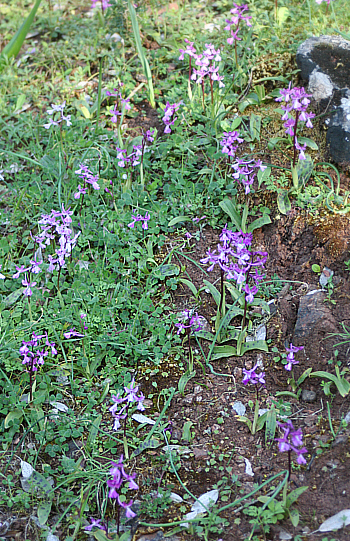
x: 143, y: 419
x: 248, y: 467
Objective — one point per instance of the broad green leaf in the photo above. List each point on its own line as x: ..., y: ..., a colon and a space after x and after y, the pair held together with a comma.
x: 255, y: 126
x: 206, y: 335
x: 13, y: 297
x: 44, y: 509
x: 246, y: 421
x: 141, y: 53
x: 14, y: 46
x: 228, y: 207
x: 283, y: 202
x: 15, y: 414
x: 270, y: 429
x: 309, y: 142
x: 261, y: 421
x: 221, y: 352
x: 178, y: 219
x: 294, y: 495
x: 100, y: 535
x: 294, y: 517
x: 185, y: 378
x: 190, y: 286
x: 39, y: 482
x: 163, y: 271
x: 186, y: 431
x: 263, y: 175
x: 274, y: 140
x: 93, y: 432
x: 259, y: 222
x: 303, y: 376
x: 150, y: 444
x: 215, y: 293
x: 282, y: 15
x: 304, y: 170
x: 254, y: 344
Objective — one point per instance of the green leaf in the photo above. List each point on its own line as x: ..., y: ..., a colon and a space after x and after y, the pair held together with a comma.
x: 141, y: 53
x: 150, y: 444
x: 190, y: 285
x: 304, y: 375
x: 273, y: 141
x: 13, y: 297
x: 304, y: 169
x: 221, y: 352
x: 178, y: 219
x: 186, y: 431
x: 15, y: 414
x: 309, y: 142
x: 294, y: 495
x: 185, y: 378
x: 261, y: 421
x: 246, y: 421
x: 14, y: 46
x: 100, y: 535
x: 316, y: 268
x: 206, y: 335
x: 93, y: 432
x: 215, y: 293
x: 254, y: 344
x: 259, y: 222
x: 255, y: 126
x: 39, y: 482
x: 283, y: 203
x: 163, y: 271
x: 228, y: 207
x: 270, y: 430
x: 263, y: 175
x: 44, y: 509
x: 294, y: 517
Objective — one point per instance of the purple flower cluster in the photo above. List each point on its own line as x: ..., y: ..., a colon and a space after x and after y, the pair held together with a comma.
x: 121, y: 103
x: 297, y: 100
x: 250, y: 376
x: 205, y: 62
x: 169, y: 111
x: 56, y: 226
x: 130, y: 397
x: 140, y: 218
x: 290, y: 356
x: 245, y: 269
x: 291, y: 440
x: 60, y: 117
x: 126, y: 160
x: 34, y: 352
x: 119, y: 477
x: 228, y: 143
x: 245, y: 172
x: 88, y: 178
x: 233, y: 23
x: 104, y: 4
x: 72, y: 333
x: 189, y: 321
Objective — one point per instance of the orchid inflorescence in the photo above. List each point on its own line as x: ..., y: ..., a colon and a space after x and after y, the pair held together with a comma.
x: 119, y: 477
x: 207, y: 69
x: 292, y: 440
x: 245, y: 267
x: 189, y: 322
x: 169, y: 111
x: 245, y: 172
x: 139, y: 218
x: 34, y: 354
x: 296, y: 99
x: 121, y: 103
x: 251, y: 376
x: 233, y: 24
x: 290, y: 356
x: 104, y: 4
x: 228, y: 143
x: 58, y: 118
x: 56, y: 227
x: 88, y: 178
x: 130, y: 398
x: 135, y: 157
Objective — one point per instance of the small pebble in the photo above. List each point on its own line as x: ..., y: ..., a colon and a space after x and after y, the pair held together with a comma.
x: 308, y: 396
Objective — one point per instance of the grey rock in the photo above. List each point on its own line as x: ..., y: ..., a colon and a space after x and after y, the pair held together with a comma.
x: 314, y: 319
x: 347, y: 417
x: 342, y: 439
x: 308, y: 396
x: 326, y: 276
x: 324, y: 62
x: 320, y: 85
x: 239, y: 407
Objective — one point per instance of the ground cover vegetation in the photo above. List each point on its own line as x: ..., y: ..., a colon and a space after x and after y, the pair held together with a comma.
x: 167, y: 200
